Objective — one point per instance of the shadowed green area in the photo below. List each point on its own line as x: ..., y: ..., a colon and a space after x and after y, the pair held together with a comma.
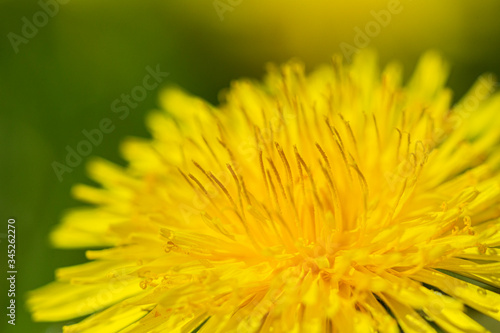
x: 66, y: 77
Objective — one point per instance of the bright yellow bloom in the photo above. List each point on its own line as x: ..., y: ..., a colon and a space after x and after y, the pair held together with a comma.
x: 338, y: 201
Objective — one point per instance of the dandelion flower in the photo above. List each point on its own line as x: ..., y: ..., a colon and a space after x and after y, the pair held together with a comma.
x: 339, y: 201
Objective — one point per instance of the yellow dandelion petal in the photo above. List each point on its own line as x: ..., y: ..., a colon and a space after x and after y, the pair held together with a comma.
x: 338, y: 201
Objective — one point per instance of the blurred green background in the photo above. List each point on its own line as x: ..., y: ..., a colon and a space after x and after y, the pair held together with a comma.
x: 64, y: 79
